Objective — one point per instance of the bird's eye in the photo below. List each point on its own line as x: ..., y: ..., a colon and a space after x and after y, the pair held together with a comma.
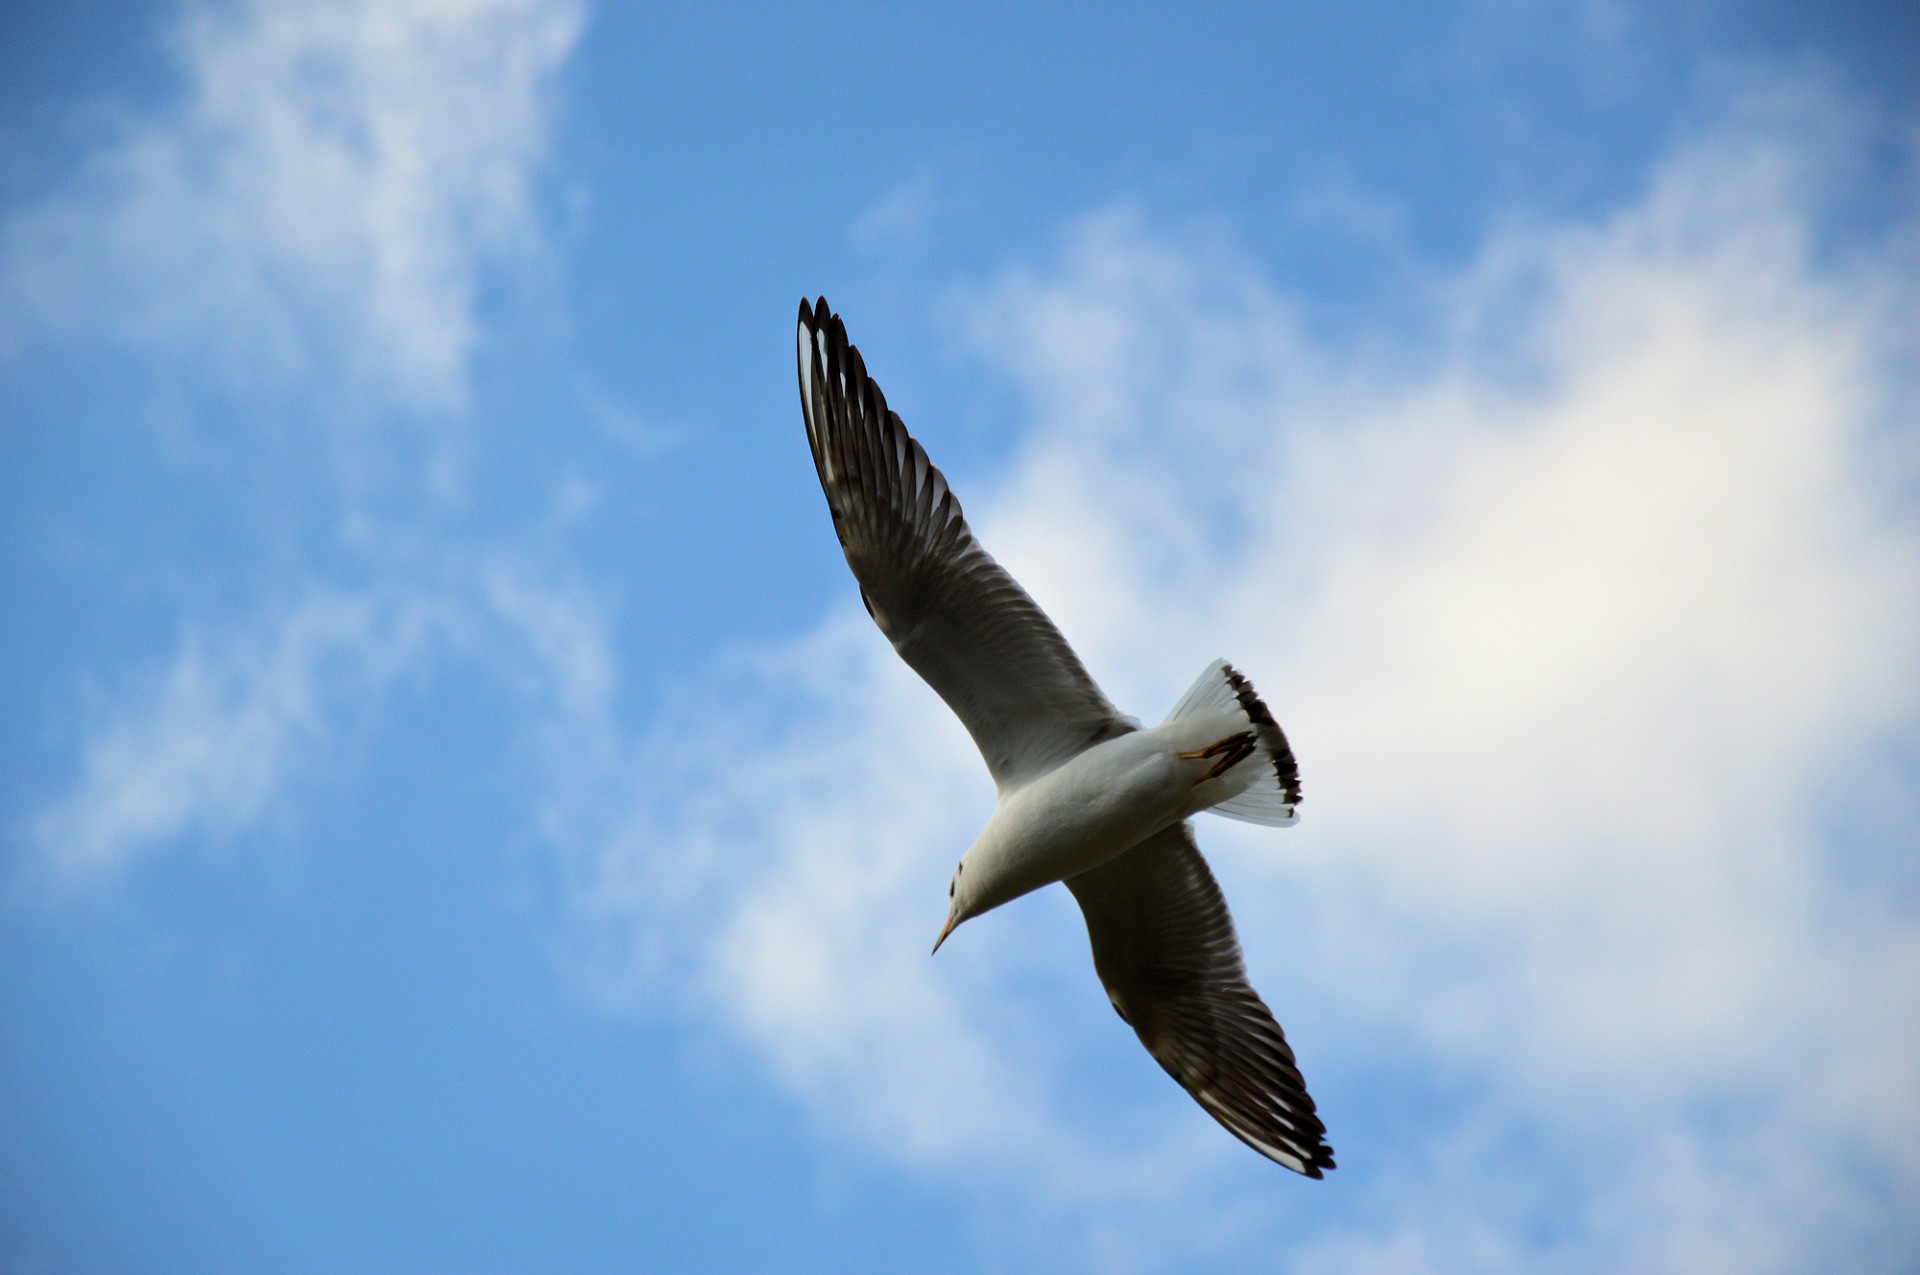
x: 950, y: 886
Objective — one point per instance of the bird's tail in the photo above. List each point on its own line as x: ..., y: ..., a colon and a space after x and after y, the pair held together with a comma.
x: 1273, y: 798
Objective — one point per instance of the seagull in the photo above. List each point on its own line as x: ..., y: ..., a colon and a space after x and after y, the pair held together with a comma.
x: 1086, y: 796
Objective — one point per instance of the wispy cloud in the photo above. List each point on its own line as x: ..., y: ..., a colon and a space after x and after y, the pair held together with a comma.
x: 318, y: 211
x: 213, y: 746
x: 208, y: 745
x: 1586, y: 618
x: 321, y: 203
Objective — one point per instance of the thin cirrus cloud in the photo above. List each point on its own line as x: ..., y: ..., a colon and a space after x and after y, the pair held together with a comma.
x: 208, y: 745
x: 1585, y: 620
x: 320, y: 207
x: 321, y: 204
x: 205, y: 749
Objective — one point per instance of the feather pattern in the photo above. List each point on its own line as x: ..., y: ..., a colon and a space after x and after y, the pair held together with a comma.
x: 1165, y: 949
x: 952, y: 612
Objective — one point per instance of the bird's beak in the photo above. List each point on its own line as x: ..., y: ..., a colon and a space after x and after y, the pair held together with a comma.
x: 944, y: 931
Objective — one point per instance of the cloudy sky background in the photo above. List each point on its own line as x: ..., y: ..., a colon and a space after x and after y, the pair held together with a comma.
x: 456, y: 815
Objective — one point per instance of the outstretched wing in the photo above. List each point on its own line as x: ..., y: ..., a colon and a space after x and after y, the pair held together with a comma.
x: 952, y: 612
x: 1164, y: 947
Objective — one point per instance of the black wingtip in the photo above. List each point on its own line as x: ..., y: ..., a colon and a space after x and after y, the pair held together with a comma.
x: 815, y: 314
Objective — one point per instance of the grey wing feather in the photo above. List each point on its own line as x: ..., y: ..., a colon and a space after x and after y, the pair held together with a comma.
x: 950, y: 610
x: 1165, y: 949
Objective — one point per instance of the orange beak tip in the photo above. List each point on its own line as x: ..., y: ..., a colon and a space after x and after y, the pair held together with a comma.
x: 944, y: 931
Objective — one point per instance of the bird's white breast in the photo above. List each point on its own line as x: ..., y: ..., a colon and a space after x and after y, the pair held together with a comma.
x: 1104, y: 801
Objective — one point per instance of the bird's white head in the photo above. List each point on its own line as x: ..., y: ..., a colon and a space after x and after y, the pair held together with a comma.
x: 960, y: 899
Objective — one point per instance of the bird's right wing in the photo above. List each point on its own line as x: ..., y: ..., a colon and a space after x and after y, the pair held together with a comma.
x: 1164, y: 947
x: 950, y: 610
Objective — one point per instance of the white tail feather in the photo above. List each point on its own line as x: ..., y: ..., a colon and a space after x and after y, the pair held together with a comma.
x: 1273, y: 798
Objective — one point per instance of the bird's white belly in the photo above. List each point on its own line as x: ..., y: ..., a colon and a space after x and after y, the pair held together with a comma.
x: 1102, y: 802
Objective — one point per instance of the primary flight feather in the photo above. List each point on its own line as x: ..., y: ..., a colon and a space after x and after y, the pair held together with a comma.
x: 1086, y: 797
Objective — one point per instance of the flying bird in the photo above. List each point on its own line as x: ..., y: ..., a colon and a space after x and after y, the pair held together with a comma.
x: 1086, y: 796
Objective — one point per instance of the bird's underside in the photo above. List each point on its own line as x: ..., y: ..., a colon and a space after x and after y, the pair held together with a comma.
x: 1163, y: 942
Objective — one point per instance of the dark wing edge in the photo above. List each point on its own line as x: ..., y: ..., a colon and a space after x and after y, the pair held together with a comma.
x: 952, y: 612
x: 1165, y: 949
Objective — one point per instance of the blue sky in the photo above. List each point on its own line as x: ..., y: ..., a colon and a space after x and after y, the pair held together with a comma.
x: 456, y: 815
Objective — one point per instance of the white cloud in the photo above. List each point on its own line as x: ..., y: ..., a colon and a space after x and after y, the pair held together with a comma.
x: 1584, y: 622
x: 215, y: 744
x: 322, y: 203
x: 320, y: 210
x: 211, y: 742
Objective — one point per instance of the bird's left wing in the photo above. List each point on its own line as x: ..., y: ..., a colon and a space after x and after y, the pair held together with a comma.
x: 950, y: 610
x: 1165, y: 949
